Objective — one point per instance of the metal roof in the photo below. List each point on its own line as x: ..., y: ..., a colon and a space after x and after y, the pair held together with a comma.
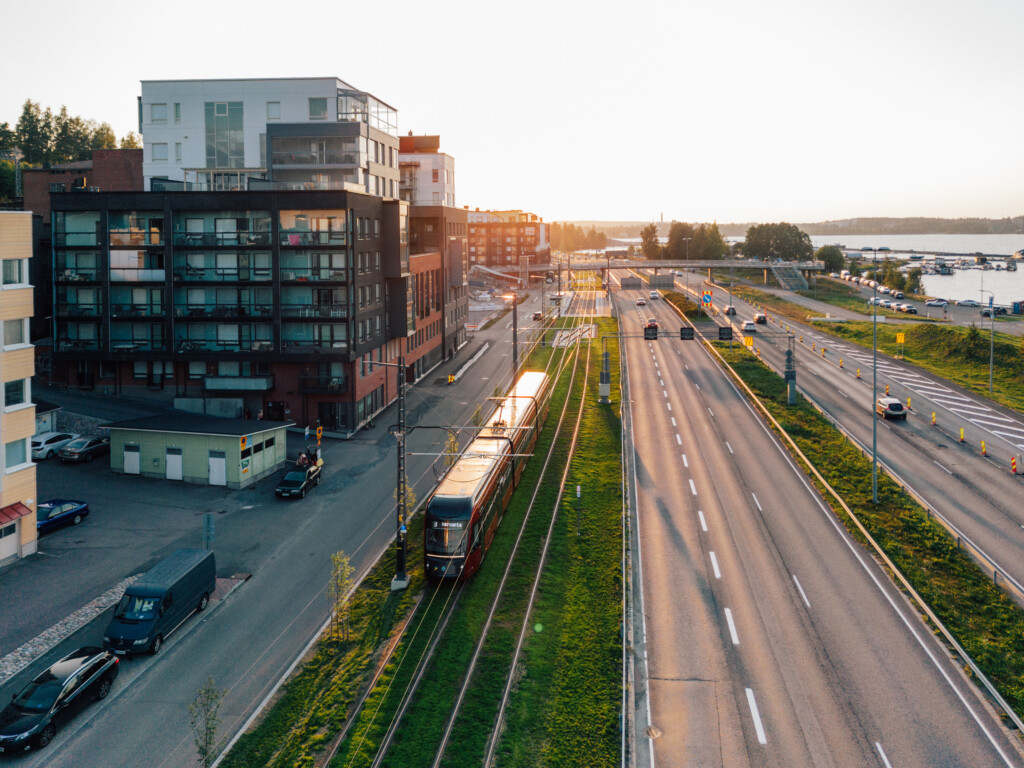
x: 195, y: 424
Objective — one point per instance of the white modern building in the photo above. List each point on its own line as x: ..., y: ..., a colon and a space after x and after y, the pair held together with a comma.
x: 427, y: 173
x: 284, y: 133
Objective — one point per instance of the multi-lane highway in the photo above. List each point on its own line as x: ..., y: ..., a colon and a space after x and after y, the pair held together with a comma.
x: 974, y: 493
x: 766, y: 636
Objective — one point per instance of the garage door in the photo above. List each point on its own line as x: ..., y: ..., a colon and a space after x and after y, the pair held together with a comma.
x: 218, y: 468
x: 173, y: 463
x: 131, y: 459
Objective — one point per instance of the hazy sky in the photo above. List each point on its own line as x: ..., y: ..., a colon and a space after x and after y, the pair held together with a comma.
x: 727, y: 110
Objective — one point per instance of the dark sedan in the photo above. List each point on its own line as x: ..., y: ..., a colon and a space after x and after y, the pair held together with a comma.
x: 56, y: 696
x: 298, y: 481
x: 56, y: 513
x: 85, y: 448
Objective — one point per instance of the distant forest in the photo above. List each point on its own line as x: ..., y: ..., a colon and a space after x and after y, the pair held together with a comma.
x: 870, y: 226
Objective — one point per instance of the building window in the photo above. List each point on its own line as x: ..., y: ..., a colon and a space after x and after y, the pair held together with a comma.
x: 159, y: 153
x: 158, y: 113
x: 177, y: 151
x: 274, y: 110
x: 8, y: 530
x: 14, y: 332
x: 58, y: 186
x: 177, y: 112
x: 225, y: 147
x: 140, y: 369
x: 196, y: 370
x: 15, y: 454
x: 14, y: 271
x: 108, y: 370
x: 15, y: 392
x: 318, y: 109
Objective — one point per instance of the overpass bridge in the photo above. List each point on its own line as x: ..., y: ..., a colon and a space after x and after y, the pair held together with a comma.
x: 790, y: 274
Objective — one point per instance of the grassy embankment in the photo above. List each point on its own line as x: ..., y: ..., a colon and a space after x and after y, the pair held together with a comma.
x: 954, y: 352
x: 983, y: 618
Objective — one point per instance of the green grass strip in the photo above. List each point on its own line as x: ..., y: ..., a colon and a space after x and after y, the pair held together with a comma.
x: 981, y: 616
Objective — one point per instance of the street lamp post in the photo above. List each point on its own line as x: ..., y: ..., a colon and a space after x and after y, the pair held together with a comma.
x: 401, y: 579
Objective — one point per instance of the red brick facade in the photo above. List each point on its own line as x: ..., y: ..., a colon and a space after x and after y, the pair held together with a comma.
x: 110, y: 170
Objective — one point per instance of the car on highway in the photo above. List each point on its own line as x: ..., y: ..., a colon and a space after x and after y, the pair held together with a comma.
x: 84, y: 448
x: 749, y: 326
x: 967, y: 303
x: 729, y: 310
x: 890, y: 408
x: 641, y: 302
x: 297, y: 481
x: 936, y: 303
x: 54, y: 697
x: 655, y: 295
x: 538, y: 315
x: 885, y: 289
x: 56, y: 513
x: 47, y: 444
x: 760, y: 318
x: 652, y: 322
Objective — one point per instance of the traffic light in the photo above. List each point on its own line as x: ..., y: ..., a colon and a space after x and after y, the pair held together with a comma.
x: 685, y: 332
x: 651, y: 332
x: 725, y: 333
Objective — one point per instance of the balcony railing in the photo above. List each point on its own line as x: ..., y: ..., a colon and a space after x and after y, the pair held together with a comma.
x: 312, y: 274
x: 219, y: 239
x: 136, y: 310
x: 260, y: 383
x: 135, y: 237
x: 137, y: 345
x: 79, y: 310
x: 78, y: 345
x: 219, y: 345
x: 315, y: 310
x: 315, y: 158
x: 224, y: 310
x: 77, y: 275
x: 323, y: 384
x: 76, y: 239
x: 222, y: 274
x: 313, y: 238
x: 298, y: 346
x: 120, y: 275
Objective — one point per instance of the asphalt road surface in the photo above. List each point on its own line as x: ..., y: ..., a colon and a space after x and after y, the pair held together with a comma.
x: 768, y: 637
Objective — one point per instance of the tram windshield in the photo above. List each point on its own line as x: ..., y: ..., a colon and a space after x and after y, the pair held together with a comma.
x: 447, y: 526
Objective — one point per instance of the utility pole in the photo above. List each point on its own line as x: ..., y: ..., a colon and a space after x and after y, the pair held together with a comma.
x: 401, y: 579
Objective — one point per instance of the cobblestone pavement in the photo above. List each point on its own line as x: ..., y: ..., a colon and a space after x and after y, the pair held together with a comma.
x: 18, y: 659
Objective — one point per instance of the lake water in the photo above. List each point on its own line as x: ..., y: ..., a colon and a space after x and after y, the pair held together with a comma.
x: 1007, y: 287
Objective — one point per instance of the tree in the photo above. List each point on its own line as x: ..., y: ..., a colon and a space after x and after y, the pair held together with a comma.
x: 341, y: 585
x: 103, y: 137
x: 680, y: 237
x: 777, y: 241
x: 72, y: 138
x: 204, y: 720
x: 712, y: 245
x: 649, y: 242
x: 914, y: 281
x: 130, y: 141
x: 7, y: 181
x: 833, y: 257
x: 35, y: 133
x: 8, y: 138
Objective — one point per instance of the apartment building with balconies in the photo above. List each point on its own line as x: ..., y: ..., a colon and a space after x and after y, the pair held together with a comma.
x: 17, y: 366
x: 237, y: 302
x: 283, y: 133
x: 507, y: 238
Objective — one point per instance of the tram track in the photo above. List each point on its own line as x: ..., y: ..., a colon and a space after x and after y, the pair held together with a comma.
x: 450, y: 598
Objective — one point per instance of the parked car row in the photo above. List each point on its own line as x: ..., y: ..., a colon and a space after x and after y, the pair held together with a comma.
x: 151, y: 609
x: 69, y: 446
x: 893, y: 306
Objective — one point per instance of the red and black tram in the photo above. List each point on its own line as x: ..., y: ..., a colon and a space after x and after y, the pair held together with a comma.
x: 464, y: 511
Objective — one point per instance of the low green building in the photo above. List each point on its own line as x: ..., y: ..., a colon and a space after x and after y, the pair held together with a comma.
x: 199, y: 449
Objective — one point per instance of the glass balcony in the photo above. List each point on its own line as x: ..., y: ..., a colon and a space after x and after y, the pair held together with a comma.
x: 306, y: 309
x: 250, y: 309
x: 299, y: 346
x: 314, y: 238
x: 263, y: 383
x: 77, y: 275
x: 137, y: 345
x: 221, y: 239
x: 230, y: 274
x: 78, y: 345
x: 323, y: 384
x: 312, y: 274
x: 79, y: 310
x: 136, y: 310
x: 136, y: 228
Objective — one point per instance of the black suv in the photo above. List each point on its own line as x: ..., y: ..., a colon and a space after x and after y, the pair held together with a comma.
x: 56, y: 696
